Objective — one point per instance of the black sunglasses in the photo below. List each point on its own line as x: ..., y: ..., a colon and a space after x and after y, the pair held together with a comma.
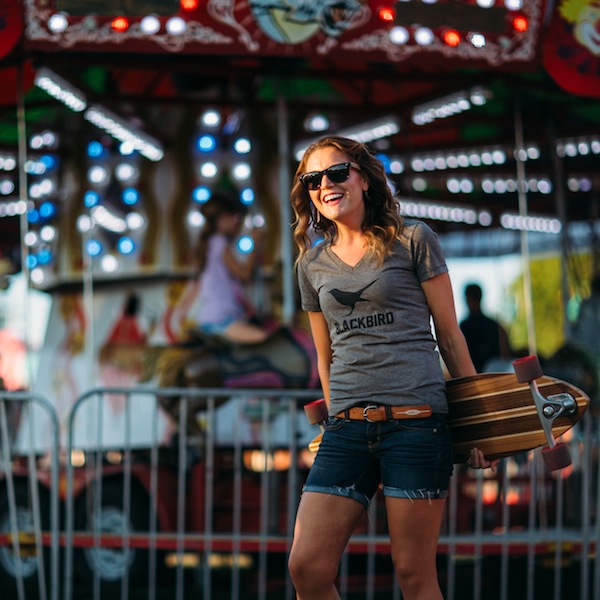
x: 336, y: 174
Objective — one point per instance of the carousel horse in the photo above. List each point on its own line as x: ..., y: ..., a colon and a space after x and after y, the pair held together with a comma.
x: 286, y: 359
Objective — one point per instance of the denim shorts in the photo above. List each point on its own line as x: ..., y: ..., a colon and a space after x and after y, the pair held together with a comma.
x: 410, y: 458
x: 217, y: 328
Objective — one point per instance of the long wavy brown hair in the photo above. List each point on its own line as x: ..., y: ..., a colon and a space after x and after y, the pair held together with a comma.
x: 382, y: 223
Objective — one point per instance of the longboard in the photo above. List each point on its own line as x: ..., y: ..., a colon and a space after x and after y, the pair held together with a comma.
x: 497, y: 414
x: 503, y: 414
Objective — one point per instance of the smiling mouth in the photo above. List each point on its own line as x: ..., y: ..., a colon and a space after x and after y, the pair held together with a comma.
x: 331, y: 197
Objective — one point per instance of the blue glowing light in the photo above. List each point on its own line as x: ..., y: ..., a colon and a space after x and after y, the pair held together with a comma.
x: 47, y: 210
x: 94, y: 247
x: 91, y: 198
x: 246, y: 244
x: 33, y: 216
x: 95, y: 149
x: 125, y: 245
x: 247, y: 196
x: 48, y: 161
x: 201, y: 194
x: 44, y: 257
x: 385, y: 159
x: 31, y: 261
x: 206, y: 143
x: 130, y: 196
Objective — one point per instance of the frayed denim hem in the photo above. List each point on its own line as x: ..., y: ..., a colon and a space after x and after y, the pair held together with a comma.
x: 346, y: 492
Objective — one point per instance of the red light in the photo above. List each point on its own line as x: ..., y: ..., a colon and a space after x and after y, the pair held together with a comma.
x: 520, y: 24
x: 451, y: 37
x: 387, y: 14
x: 189, y: 4
x: 120, y: 24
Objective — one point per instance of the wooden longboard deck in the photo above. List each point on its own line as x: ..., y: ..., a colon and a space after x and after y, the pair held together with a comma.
x: 497, y: 414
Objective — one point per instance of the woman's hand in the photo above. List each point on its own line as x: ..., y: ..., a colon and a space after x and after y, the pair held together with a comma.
x: 477, y: 460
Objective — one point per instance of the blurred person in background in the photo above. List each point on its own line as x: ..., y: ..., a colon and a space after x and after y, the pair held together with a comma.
x: 486, y: 338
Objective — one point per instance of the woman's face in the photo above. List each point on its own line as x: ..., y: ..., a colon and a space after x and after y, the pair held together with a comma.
x: 341, y: 202
x: 229, y: 223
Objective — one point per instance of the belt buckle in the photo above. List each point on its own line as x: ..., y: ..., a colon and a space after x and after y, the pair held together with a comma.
x: 367, y: 408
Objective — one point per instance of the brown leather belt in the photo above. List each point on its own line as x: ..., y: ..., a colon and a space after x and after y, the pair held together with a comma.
x: 379, y: 412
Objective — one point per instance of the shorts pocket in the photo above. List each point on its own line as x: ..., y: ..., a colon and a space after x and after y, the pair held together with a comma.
x: 431, y: 425
x: 334, y: 423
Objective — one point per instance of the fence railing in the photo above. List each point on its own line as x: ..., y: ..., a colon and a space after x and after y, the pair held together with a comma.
x: 193, y: 493
x: 29, y: 499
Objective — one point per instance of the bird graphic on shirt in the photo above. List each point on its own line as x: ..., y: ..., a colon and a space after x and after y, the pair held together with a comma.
x: 350, y: 298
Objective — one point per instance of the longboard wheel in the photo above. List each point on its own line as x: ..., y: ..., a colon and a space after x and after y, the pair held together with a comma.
x: 316, y: 411
x: 557, y: 457
x: 314, y: 445
x: 527, y: 368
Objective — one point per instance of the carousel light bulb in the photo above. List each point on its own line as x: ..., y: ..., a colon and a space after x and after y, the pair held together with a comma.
x: 150, y: 24
x: 37, y: 276
x: 424, y: 36
x: 206, y: 143
x: 84, y: 223
x: 120, y: 24
x: 125, y: 172
x: 175, y: 26
x: 247, y: 196
x: 48, y: 233
x: 195, y: 218
x: 30, y: 239
x: 93, y: 247
x: 211, y: 118
x: 125, y: 245
x: 134, y: 221
x: 241, y: 171
x: 209, y: 170
x: 242, y: 146
x: 399, y: 35
x: 201, y: 194
x: 109, y: 263
x: 98, y: 175
x: 477, y: 39
x: 57, y: 23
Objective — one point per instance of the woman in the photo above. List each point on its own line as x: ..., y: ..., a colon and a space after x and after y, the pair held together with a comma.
x: 370, y: 290
x: 223, y: 308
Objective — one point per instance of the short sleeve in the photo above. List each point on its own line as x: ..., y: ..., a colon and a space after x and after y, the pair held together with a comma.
x: 428, y: 256
x: 309, y: 297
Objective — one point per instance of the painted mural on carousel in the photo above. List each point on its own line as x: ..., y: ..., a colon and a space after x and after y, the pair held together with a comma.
x: 492, y: 33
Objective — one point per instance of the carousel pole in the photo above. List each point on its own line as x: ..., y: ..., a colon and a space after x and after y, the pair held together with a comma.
x: 88, y: 301
x: 285, y: 211
x: 523, y: 211
x: 23, y: 223
x: 561, y: 211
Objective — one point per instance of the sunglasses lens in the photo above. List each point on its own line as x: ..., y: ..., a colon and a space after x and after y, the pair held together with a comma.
x: 335, y: 174
x: 312, y: 181
x: 338, y: 173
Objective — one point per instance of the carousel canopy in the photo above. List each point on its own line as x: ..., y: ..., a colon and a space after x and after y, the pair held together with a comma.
x: 473, y: 105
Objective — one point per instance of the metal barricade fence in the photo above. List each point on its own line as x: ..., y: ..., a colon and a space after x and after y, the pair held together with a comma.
x: 204, y: 507
x: 29, y: 497
x: 217, y: 491
x: 541, y: 529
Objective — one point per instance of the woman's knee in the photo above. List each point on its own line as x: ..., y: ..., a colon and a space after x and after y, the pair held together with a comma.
x: 311, y: 572
x: 414, y: 574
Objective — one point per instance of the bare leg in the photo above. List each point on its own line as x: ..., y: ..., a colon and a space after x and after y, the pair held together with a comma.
x: 324, y: 524
x: 246, y: 333
x: 414, y: 527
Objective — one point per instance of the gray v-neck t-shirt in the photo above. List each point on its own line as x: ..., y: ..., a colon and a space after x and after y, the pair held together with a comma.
x: 379, y: 322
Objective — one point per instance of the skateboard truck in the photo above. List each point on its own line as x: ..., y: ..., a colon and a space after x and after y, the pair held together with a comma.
x: 316, y: 413
x: 556, y: 455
